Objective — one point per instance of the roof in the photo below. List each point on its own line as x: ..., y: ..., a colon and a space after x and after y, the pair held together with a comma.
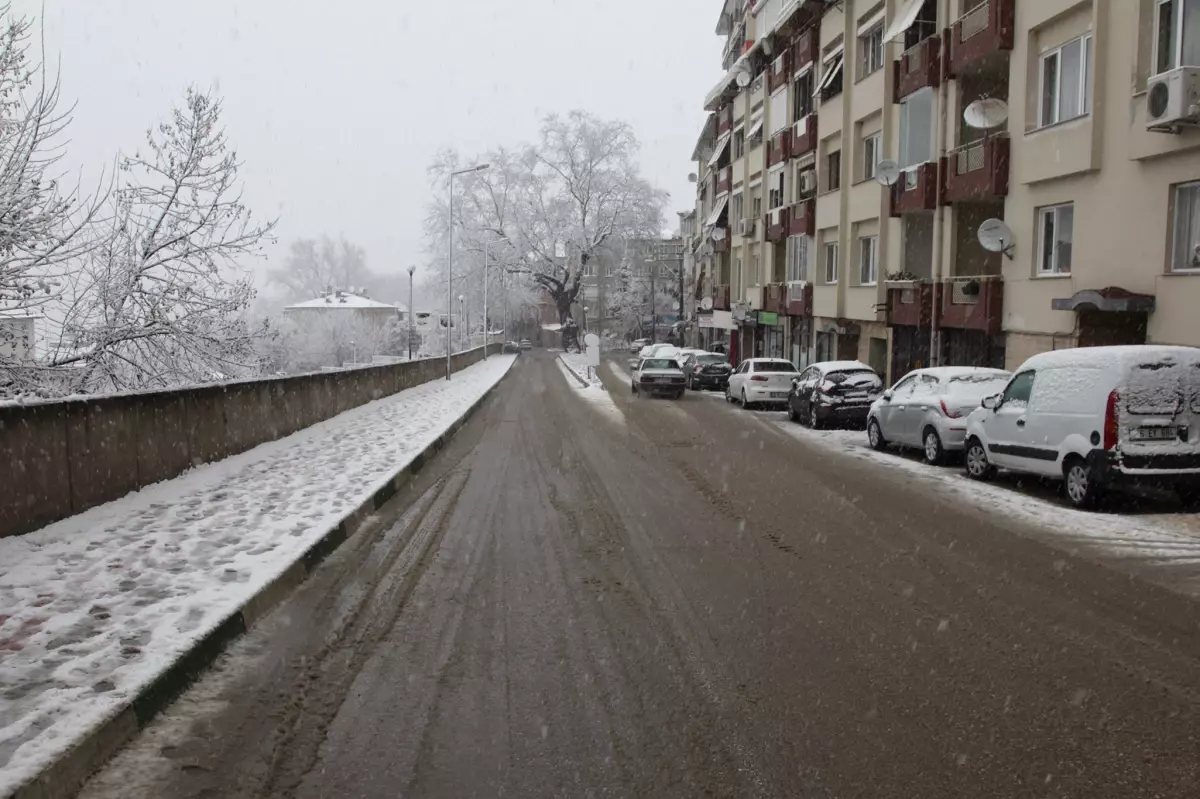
x: 957, y: 371
x: 342, y: 300
x: 841, y: 366
x: 1112, y: 356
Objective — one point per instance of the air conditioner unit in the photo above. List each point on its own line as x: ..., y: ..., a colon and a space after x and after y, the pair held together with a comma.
x: 808, y: 181
x: 1173, y: 99
x: 747, y: 227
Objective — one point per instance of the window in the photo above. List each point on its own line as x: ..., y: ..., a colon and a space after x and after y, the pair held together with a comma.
x: 870, y: 150
x: 756, y: 203
x: 831, y: 262
x: 1019, y: 389
x: 737, y: 208
x: 1185, y: 236
x: 1056, y: 225
x: 1066, y: 82
x: 833, y: 171
x: 831, y: 76
x: 797, y: 259
x: 868, y: 260
x: 739, y: 143
x: 870, y: 49
x: 802, y: 96
x: 916, y: 128
x: 776, y: 196
x: 1176, y: 34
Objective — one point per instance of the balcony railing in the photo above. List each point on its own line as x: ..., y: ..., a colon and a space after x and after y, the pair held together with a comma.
x: 807, y: 48
x: 804, y: 136
x: 721, y: 297
x: 910, y: 302
x: 779, y: 147
x: 780, y: 73
x: 986, y: 29
x: 775, y: 298
x: 802, y: 218
x: 972, y: 303
x: 917, y: 67
x: 776, y: 223
x: 800, y: 298
x: 916, y: 190
x: 725, y: 120
x: 725, y: 180
x: 977, y: 171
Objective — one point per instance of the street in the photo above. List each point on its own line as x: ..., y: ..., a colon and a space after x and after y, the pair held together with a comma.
x: 677, y: 601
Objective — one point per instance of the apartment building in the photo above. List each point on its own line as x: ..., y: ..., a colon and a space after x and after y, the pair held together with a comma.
x: 848, y: 166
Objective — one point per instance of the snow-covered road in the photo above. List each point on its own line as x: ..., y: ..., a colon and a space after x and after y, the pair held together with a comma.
x: 93, y: 607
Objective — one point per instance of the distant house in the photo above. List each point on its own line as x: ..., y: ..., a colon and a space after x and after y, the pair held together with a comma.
x: 343, y: 304
x: 340, y: 328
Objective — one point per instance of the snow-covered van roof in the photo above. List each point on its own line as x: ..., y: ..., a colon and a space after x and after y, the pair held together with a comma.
x: 840, y: 366
x: 1118, y: 356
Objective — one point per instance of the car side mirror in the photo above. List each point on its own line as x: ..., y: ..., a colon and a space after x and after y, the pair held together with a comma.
x: 991, y: 403
x: 887, y: 395
x: 795, y: 381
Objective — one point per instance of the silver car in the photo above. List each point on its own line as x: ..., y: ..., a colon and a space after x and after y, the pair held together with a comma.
x: 928, y: 408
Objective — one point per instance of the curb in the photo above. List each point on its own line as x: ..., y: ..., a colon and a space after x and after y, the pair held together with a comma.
x: 571, y: 372
x: 66, y: 775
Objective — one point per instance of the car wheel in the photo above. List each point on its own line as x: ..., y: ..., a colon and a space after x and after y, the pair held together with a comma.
x: 745, y: 403
x: 935, y: 454
x: 1083, y: 490
x: 792, y: 415
x: 978, y: 466
x: 728, y: 396
x: 1188, y: 493
x: 814, y: 421
x: 679, y: 394
x: 875, y: 436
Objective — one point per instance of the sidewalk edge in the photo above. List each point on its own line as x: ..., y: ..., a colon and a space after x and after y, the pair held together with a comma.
x: 65, y: 776
x: 571, y: 372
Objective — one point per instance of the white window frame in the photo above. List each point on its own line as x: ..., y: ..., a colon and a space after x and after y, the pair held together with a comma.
x: 735, y: 154
x: 868, y: 260
x: 832, y: 174
x: 1191, y: 266
x: 1085, y: 82
x: 797, y: 258
x: 870, y: 58
x: 1178, y: 23
x: 1049, y: 266
x: 907, y: 114
x: 737, y: 200
x: 830, y: 258
x: 778, y: 176
x: 871, y: 159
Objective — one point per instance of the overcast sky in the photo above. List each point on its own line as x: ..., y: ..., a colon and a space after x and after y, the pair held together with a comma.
x: 337, y: 108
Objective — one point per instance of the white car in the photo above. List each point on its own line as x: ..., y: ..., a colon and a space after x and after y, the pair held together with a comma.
x: 637, y: 344
x: 928, y: 408
x: 761, y: 381
x: 658, y: 376
x: 1095, y: 418
x: 665, y: 350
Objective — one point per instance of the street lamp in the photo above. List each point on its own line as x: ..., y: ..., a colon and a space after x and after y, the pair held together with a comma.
x: 486, y: 245
x: 585, y: 312
x: 450, y: 265
x: 411, y: 312
x: 461, y: 324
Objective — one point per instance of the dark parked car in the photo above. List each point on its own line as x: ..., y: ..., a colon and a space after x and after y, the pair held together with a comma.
x: 706, y: 371
x: 512, y: 346
x: 834, y: 393
x: 525, y: 344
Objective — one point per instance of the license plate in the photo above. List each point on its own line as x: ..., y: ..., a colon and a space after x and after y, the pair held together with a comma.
x: 1155, y: 433
x: 778, y: 394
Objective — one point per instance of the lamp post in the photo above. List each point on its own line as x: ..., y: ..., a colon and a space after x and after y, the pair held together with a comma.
x: 411, y: 312
x: 450, y: 266
x: 486, y: 245
x: 461, y: 323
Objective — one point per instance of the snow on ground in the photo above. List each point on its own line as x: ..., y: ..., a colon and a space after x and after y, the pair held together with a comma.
x: 93, y: 607
x: 595, y: 395
x: 1172, y: 538
x: 577, y: 363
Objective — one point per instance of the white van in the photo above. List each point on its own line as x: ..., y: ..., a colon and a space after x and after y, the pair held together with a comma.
x: 1095, y: 417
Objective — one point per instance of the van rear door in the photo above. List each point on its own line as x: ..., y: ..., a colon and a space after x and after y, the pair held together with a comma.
x: 1159, y: 426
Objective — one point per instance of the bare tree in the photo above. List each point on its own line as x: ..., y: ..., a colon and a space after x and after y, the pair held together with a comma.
x: 558, y: 203
x: 162, y: 301
x: 314, y: 266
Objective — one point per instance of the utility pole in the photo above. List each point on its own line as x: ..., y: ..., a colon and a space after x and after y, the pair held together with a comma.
x: 411, y: 312
x: 653, y: 304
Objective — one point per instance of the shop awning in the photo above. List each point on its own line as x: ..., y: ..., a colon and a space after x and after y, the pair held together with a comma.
x: 718, y: 209
x: 1112, y: 299
x: 719, y: 150
x: 903, y: 19
x: 710, y: 127
x: 755, y: 128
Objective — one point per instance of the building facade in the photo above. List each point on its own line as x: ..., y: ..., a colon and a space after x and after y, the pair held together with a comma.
x: 916, y: 182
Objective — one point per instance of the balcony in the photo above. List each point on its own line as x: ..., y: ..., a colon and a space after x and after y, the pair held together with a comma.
x: 916, y: 190
x: 807, y: 48
x: 775, y: 298
x: 725, y: 120
x: 776, y: 223
x: 917, y: 67
x: 983, y: 31
x: 977, y: 171
x: 802, y: 218
x: 779, y: 147
x: 972, y: 303
x: 722, y: 245
x: 910, y: 302
x: 800, y: 299
x: 721, y: 298
x: 804, y: 136
x: 780, y: 73
x: 725, y: 180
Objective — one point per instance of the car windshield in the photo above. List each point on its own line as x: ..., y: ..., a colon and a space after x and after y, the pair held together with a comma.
x: 972, y: 388
x: 774, y: 366
x: 711, y: 359
x: 863, y: 378
x: 660, y: 363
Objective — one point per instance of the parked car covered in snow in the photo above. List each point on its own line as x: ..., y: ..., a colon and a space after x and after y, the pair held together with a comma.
x: 658, y: 376
x: 706, y: 370
x: 759, y: 381
x: 636, y: 345
x: 1095, y: 418
x: 928, y: 408
x: 834, y: 392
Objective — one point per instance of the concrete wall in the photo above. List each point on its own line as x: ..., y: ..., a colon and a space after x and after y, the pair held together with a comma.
x: 61, y: 458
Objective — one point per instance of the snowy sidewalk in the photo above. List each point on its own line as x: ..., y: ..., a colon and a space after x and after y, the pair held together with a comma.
x: 95, y: 607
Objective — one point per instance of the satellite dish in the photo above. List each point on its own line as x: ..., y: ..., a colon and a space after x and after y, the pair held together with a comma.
x: 986, y: 113
x: 887, y: 173
x: 707, y: 303
x: 693, y: 177
x: 996, y: 236
x: 718, y: 234
x: 743, y: 79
